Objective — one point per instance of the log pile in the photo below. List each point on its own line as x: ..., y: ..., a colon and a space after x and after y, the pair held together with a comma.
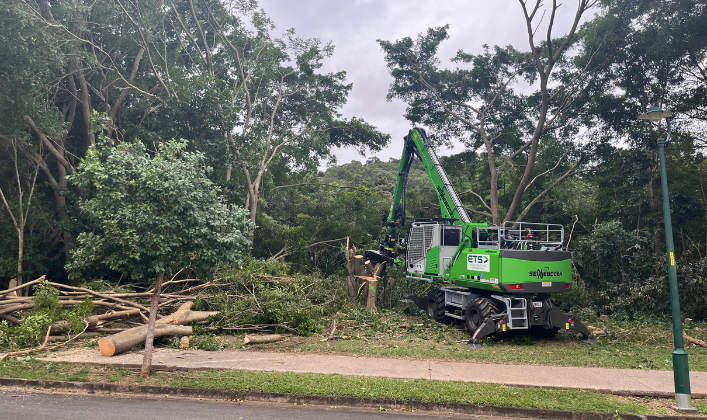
x: 170, y: 325
x: 110, y: 305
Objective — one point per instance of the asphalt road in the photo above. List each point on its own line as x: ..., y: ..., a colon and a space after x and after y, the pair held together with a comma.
x: 21, y: 405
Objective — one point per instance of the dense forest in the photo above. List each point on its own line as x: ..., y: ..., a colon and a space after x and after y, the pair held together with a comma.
x: 549, y: 132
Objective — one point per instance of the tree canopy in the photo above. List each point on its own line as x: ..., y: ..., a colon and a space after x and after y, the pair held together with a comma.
x: 548, y: 128
x: 149, y: 215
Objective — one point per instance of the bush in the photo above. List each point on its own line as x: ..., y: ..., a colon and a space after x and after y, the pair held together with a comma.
x: 266, y: 293
x: 615, y: 264
x: 35, y: 324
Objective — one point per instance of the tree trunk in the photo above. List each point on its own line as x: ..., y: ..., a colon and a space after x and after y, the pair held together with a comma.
x: 262, y: 339
x: 118, y: 343
x: 20, y: 252
x: 123, y: 341
x: 150, y: 338
x: 253, y: 205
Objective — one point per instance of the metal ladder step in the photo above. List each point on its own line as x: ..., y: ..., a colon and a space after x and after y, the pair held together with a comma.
x: 517, y: 309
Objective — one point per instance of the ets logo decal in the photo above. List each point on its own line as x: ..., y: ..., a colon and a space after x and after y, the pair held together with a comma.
x: 478, y: 263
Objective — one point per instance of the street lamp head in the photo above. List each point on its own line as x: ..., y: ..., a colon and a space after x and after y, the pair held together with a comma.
x: 655, y: 113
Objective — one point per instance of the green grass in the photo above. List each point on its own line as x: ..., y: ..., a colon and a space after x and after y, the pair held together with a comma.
x: 336, y: 385
x: 627, y: 344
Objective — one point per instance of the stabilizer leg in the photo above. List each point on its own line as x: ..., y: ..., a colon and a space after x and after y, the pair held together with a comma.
x: 486, y: 328
x: 587, y: 336
x: 421, y: 302
x: 564, y: 321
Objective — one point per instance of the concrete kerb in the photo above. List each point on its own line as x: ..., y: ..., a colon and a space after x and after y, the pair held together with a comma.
x: 218, y: 394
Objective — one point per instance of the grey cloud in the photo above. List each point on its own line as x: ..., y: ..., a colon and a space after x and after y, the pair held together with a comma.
x: 354, y: 26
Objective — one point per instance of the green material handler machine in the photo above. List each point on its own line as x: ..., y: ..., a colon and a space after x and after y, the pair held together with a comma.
x: 494, y: 278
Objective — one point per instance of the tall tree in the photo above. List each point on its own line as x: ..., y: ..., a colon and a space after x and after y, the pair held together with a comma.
x: 69, y: 59
x: 477, y: 101
x: 649, y: 53
x: 25, y: 181
x: 274, y: 103
x: 153, y: 214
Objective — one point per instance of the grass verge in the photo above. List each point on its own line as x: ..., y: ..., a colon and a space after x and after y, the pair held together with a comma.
x: 336, y: 385
x: 623, y: 345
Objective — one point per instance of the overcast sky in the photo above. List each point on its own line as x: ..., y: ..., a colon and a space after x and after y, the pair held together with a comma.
x: 354, y: 25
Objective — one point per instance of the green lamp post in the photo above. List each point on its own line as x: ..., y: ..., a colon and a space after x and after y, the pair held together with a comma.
x: 680, y: 367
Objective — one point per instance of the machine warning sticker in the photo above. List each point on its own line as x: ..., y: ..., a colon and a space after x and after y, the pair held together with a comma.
x: 478, y: 263
x: 492, y: 281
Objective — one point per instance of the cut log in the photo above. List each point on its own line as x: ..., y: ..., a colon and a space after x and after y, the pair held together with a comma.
x: 262, y: 339
x: 185, y: 315
x: 61, y: 327
x: 358, y: 267
x: 371, y: 299
x: 11, y: 319
x: 14, y: 308
x: 369, y: 268
x: 118, y: 343
x: 94, y: 320
x: 695, y: 341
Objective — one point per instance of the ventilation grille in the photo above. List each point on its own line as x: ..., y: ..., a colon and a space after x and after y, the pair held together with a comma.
x: 416, y: 245
x: 429, y: 231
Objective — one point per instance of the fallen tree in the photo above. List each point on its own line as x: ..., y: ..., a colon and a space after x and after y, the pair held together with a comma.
x: 123, y: 341
x: 171, y: 325
x: 108, y: 305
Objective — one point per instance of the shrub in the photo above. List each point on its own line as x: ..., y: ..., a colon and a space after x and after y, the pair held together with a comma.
x: 266, y: 293
x: 35, y: 324
x: 615, y: 264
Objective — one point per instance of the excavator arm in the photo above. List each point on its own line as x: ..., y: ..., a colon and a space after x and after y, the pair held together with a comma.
x: 451, y: 207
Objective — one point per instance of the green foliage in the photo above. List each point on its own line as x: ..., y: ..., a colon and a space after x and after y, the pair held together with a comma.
x: 264, y: 293
x: 153, y: 214
x: 207, y: 342
x: 614, y: 264
x: 46, y: 298
x: 47, y: 311
x: 30, y: 333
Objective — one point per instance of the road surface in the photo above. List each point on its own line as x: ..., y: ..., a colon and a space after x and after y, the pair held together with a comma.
x: 29, y: 405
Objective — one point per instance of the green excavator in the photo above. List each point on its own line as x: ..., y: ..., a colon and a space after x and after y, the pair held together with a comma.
x: 495, y: 279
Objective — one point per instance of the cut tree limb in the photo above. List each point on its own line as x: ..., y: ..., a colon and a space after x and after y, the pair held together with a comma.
x: 100, y: 295
x: 11, y: 319
x: 262, y: 339
x: 87, y: 334
x: 94, y: 320
x: 118, y: 343
x: 123, y: 341
x: 695, y: 341
x: 185, y: 315
x: 28, y: 284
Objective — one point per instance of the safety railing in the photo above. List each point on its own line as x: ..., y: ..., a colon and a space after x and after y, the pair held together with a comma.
x: 521, y: 235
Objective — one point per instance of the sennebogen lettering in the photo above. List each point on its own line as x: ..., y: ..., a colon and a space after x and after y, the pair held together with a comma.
x: 544, y: 273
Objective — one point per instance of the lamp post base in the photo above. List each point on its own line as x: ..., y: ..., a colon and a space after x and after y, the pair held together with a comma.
x: 683, y: 403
